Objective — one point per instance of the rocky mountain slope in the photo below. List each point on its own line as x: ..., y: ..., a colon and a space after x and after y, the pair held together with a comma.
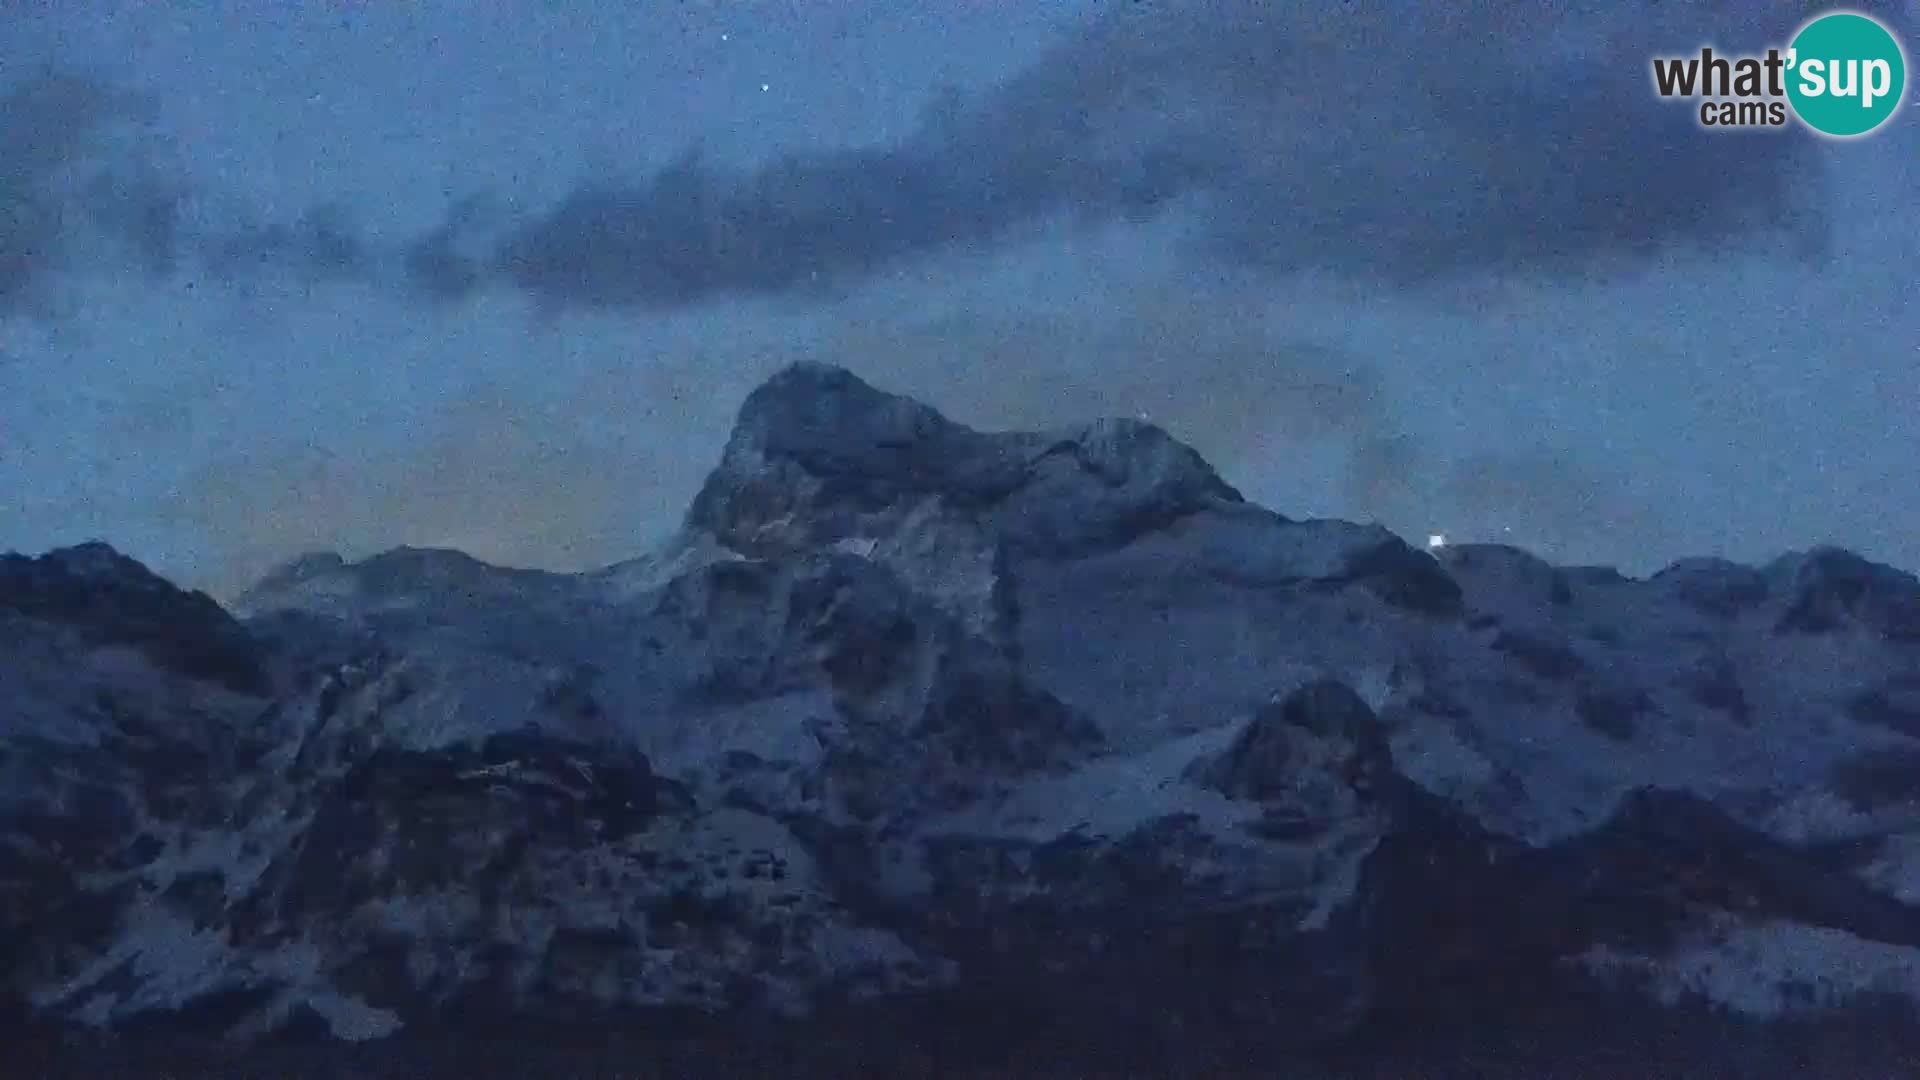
x: 1039, y: 748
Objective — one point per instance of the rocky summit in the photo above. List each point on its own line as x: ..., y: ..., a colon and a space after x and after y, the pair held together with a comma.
x: 923, y: 750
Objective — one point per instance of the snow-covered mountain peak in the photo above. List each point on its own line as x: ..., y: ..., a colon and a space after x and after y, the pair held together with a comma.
x: 912, y: 724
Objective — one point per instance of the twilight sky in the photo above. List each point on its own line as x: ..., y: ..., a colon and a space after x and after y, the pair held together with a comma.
x: 347, y: 275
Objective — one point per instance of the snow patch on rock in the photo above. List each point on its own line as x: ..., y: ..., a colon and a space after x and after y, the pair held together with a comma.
x: 1770, y: 969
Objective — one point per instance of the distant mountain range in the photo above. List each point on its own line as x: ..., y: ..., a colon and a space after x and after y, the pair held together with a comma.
x: 928, y: 748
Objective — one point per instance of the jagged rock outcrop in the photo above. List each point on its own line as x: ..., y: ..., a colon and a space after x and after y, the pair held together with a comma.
x: 108, y: 599
x: 1044, y: 748
x: 1829, y: 588
x: 1715, y: 586
x: 1321, y: 735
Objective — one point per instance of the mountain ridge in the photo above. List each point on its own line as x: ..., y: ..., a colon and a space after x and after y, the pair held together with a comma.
x: 1052, y: 735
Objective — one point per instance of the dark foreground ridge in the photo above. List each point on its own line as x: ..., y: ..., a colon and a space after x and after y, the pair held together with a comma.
x: 928, y: 751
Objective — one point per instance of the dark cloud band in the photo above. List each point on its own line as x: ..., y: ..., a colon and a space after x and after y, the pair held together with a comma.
x: 1370, y: 139
x: 1365, y: 140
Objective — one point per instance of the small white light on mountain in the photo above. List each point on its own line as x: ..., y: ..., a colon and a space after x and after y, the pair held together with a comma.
x: 1436, y: 541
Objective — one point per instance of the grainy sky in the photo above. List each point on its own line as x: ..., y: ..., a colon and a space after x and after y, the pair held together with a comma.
x: 283, y: 277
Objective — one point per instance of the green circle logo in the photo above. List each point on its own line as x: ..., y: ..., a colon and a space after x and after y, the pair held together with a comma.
x: 1846, y: 74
